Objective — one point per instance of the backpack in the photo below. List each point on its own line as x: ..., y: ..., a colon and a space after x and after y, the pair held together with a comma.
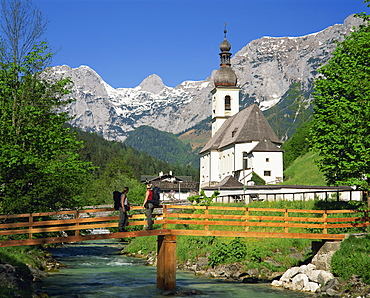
x: 155, y: 196
x: 117, y: 199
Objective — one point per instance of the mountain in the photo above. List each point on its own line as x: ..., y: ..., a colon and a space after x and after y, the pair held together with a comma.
x: 266, y: 67
x: 114, y: 113
x: 266, y: 70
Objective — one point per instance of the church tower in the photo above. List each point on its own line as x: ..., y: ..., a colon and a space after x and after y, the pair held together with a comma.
x: 225, y: 95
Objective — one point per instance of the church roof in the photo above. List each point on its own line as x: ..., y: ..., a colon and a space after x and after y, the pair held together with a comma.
x: 225, y: 76
x: 266, y: 146
x: 245, y: 126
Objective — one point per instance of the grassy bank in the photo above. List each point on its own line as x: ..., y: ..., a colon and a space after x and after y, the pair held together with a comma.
x: 16, y: 279
x: 311, y: 174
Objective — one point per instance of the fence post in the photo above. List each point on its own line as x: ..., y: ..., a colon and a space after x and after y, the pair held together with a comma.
x: 30, y: 220
x: 247, y: 215
x: 164, y: 216
x: 77, y: 216
x: 325, y: 216
x: 206, y: 212
x: 166, y: 262
x: 286, y: 229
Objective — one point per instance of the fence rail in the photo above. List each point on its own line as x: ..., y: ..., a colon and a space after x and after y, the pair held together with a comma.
x: 74, y: 225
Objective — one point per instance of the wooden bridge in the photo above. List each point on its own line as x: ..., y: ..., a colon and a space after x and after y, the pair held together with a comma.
x: 174, y: 220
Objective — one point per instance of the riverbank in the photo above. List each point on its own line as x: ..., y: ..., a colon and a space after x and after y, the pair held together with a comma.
x: 21, y: 271
x: 305, y: 278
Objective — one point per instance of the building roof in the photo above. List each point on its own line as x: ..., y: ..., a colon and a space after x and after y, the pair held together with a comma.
x: 169, y: 177
x: 229, y: 182
x: 245, y: 126
x: 184, y: 186
x: 266, y: 146
x: 225, y: 76
x: 167, y: 182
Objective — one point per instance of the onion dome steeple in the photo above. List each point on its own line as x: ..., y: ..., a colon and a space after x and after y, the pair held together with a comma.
x: 225, y: 76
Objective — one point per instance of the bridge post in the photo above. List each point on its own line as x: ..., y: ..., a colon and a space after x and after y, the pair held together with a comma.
x: 166, y: 262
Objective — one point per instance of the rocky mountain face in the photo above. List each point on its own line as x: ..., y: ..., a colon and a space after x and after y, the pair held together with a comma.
x: 265, y: 68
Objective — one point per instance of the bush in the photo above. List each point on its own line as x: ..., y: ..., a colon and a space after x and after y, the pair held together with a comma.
x: 353, y: 258
x: 234, y: 251
x: 190, y: 247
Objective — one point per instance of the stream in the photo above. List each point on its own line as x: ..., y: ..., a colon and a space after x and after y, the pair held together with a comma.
x: 96, y: 269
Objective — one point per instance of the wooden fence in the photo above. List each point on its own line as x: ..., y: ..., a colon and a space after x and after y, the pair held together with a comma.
x: 76, y: 225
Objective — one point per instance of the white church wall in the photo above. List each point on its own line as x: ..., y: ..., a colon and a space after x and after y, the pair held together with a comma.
x: 239, y: 150
x: 204, y: 169
x: 226, y: 162
x: 269, y: 166
x: 219, y: 113
x: 214, y: 166
x: 218, y: 103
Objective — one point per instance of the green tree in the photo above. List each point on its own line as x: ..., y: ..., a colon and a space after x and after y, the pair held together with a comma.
x: 39, y: 167
x: 340, y: 130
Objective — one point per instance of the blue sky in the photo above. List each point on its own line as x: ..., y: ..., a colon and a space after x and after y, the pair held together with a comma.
x: 125, y: 41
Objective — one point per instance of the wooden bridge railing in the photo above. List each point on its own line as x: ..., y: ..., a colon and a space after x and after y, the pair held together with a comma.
x: 184, y: 220
x: 263, y: 222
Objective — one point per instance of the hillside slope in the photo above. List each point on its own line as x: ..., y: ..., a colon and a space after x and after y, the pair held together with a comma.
x: 162, y: 145
x: 304, y: 171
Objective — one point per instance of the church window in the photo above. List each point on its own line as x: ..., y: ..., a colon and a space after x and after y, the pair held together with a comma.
x: 245, y: 160
x: 227, y: 103
x: 267, y: 159
x: 266, y: 173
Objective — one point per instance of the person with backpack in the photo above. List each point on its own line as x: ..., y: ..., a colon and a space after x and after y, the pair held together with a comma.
x: 123, y: 209
x: 148, y: 205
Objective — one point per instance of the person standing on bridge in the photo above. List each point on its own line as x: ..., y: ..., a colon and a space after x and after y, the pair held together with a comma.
x: 149, y: 206
x: 123, y: 216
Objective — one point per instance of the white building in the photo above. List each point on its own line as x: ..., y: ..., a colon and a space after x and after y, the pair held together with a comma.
x: 242, y: 142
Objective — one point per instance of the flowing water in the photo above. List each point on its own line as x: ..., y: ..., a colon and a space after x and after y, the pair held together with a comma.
x: 98, y: 270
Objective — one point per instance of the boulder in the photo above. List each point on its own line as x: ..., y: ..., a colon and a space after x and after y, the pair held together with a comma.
x: 253, y: 272
x: 299, y: 282
x: 311, y: 287
x: 277, y: 283
x: 289, y: 274
x: 324, y: 277
x: 304, y: 278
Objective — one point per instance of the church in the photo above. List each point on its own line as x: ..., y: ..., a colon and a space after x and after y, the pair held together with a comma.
x: 242, y: 142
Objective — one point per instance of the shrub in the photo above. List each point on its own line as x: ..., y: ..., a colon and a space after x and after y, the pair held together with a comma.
x: 234, y: 251
x: 353, y: 258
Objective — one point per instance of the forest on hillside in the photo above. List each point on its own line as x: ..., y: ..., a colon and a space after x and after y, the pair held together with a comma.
x: 102, y: 152
x: 118, y: 165
x: 163, y: 145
